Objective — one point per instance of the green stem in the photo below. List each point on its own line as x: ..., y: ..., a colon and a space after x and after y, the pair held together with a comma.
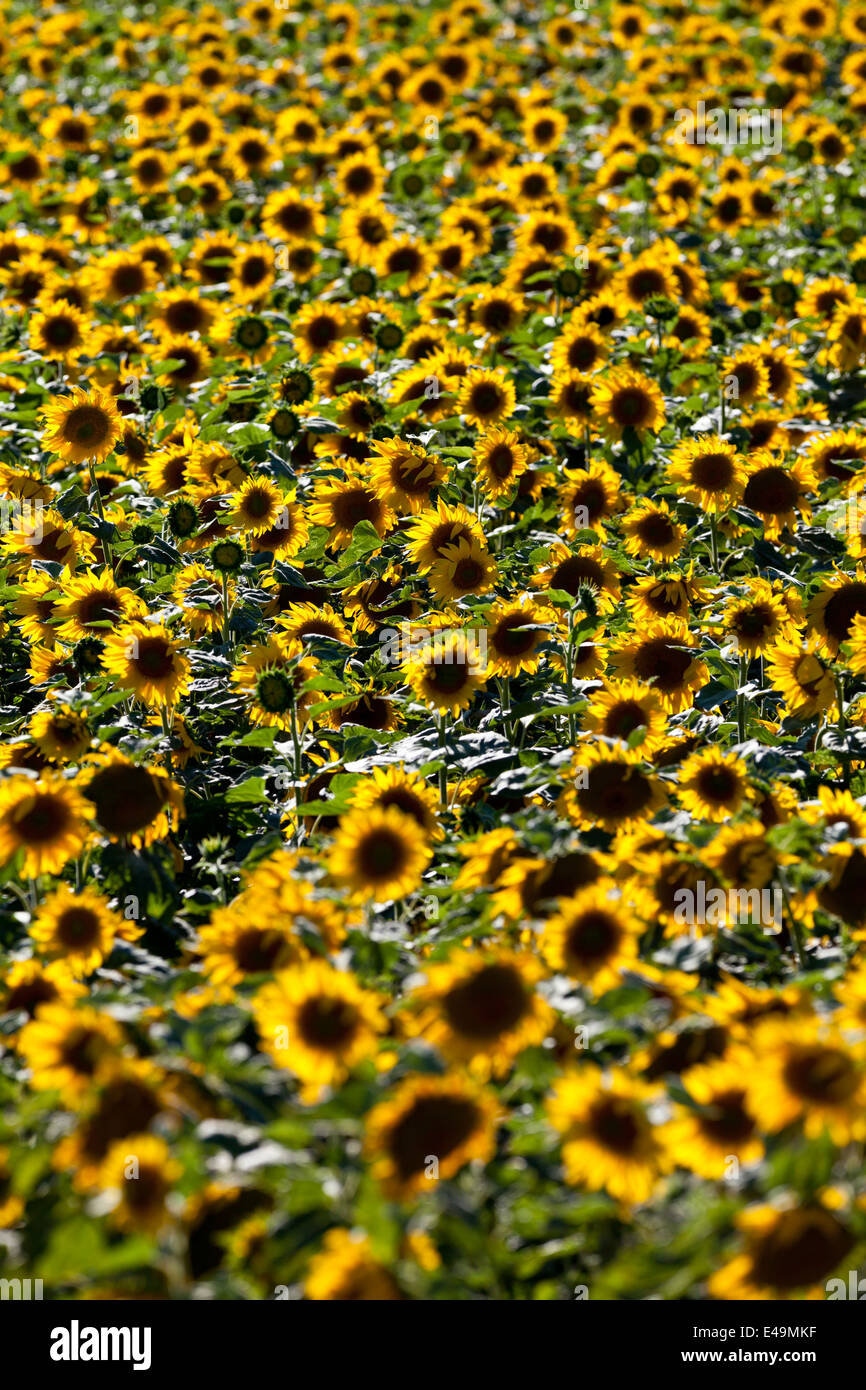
x: 843, y: 724
x: 443, y: 770
x: 569, y: 678
x: 796, y: 930
x: 106, y: 547
x: 714, y: 541
x: 741, y: 701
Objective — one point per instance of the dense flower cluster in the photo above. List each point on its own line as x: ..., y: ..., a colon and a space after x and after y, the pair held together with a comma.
x: 433, y: 762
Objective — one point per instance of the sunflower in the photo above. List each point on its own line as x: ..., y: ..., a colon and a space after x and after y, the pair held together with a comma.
x: 131, y: 802
x: 482, y: 1009
x: 712, y: 785
x: 60, y: 733
x: 446, y: 673
x: 379, y: 854
x: 253, y: 273
x: 626, y: 400
x: 464, y: 568
x: 743, y: 856
x: 609, y: 787
x: 570, y: 398
x: 486, y: 397
x: 198, y: 593
x: 515, y: 634
x: 709, y: 471
x: 92, y: 605
x: 842, y: 892
x: 187, y: 361
x: 486, y: 858
x: 340, y: 504
x: 346, y: 1269
x: 621, y: 708
x: 60, y: 333
x: 592, y: 938
x: 756, y: 619
x: 65, y: 1047
x: 84, y: 425
x: 310, y: 620
x: 11, y: 1205
x: 46, y: 820
x: 723, y: 1121
x: 127, y: 1095
x: 257, y: 505
x: 800, y: 671
x: 28, y: 984
x: 140, y: 1170
x: 404, y: 475
x: 362, y: 231
x: 436, y: 529
x: 586, y: 567
x: 809, y: 1073
x: 234, y: 944
x: 426, y: 1130
x: 500, y: 460
x: 79, y: 928
x: 787, y: 1253
x: 287, y: 536
x: 651, y: 531
x: 588, y: 497
x: 394, y: 786
x: 836, y: 607
x: 409, y: 260
x: 777, y: 491
x: 291, y: 216
x: 669, y: 595
x: 609, y: 1142
x: 660, y: 655
x: 318, y: 1023
x: 493, y: 309
x: 272, y: 675
x: 143, y: 658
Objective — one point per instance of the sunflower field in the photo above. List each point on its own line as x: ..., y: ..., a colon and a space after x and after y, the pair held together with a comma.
x: 433, y: 649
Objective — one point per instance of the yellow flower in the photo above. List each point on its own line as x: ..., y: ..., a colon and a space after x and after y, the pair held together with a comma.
x: 346, y: 1269
x: 482, y: 1009
x: 712, y: 784
x: 608, y: 1140
x: 787, y: 1253
x: 379, y: 854
x: 427, y: 1130
x: 628, y: 400
x: 47, y: 820
x: 65, y: 1047
x: 318, y: 1023
x: 144, y: 659
x: 78, y: 927
x: 84, y: 425
x: 141, y: 1171
x: 593, y: 937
